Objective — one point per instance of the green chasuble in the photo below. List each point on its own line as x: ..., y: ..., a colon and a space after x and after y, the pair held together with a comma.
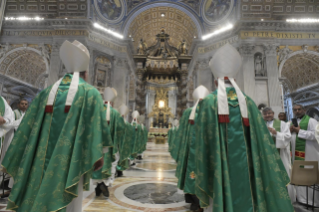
x: 17, y: 114
x: 180, y: 135
x: 144, y: 140
x: 185, y: 135
x: 116, y: 128
x: 50, y: 152
x: 126, y: 147
x: 300, y: 151
x: 172, y: 141
x: 137, y: 137
x: 237, y: 166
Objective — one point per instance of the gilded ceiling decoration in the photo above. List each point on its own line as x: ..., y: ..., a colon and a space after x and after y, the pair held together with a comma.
x: 301, y: 70
x: 175, y: 22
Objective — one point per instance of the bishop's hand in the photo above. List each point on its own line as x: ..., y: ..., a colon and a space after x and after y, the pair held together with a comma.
x: 272, y: 131
x: 98, y: 164
x: 2, y: 120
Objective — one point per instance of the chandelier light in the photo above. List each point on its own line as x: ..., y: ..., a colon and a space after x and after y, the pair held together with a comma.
x: 216, y: 32
x: 23, y: 18
x: 303, y: 20
x: 115, y: 34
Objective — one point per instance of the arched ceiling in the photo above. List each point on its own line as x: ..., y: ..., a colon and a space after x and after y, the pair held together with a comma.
x: 301, y: 70
x: 24, y: 65
x: 175, y: 22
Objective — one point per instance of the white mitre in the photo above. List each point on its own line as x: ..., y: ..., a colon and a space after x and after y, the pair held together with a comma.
x: 225, y: 65
x: 199, y: 93
x: 76, y: 58
x: 135, y: 115
x: 141, y: 120
x: 123, y: 110
x: 110, y: 95
x: 175, y: 122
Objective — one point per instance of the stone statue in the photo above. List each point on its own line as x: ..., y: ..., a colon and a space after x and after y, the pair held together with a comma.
x: 141, y: 49
x: 284, y: 53
x: 183, y: 47
x: 258, y: 66
x: 4, y: 49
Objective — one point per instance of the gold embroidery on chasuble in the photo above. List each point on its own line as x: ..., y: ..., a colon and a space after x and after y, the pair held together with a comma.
x: 192, y: 175
x: 232, y: 95
x: 66, y: 80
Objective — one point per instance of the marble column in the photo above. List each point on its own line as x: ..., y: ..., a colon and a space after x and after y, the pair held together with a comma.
x: 2, y: 9
x: 172, y: 101
x: 118, y: 81
x: 246, y: 78
x: 150, y: 100
x: 91, y: 68
x: 274, y: 88
x: 55, y: 65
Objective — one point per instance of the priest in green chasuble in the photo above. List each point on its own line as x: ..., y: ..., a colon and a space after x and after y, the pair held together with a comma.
x: 125, y: 143
x: 238, y: 168
x: 105, y: 177
x: 185, y: 170
x: 281, y: 135
x: 59, y: 142
x: 304, y: 146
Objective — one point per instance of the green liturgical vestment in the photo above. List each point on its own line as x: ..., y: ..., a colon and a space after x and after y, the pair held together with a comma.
x: 126, y: 147
x: 238, y: 167
x: 171, y: 145
x: 185, y: 171
x: 116, y: 128
x: 50, y: 152
x: 180, y: 135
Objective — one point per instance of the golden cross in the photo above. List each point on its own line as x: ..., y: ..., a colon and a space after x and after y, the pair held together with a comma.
x: 231, y: 95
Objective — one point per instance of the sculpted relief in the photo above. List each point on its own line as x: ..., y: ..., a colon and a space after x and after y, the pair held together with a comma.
x: 260, y: 65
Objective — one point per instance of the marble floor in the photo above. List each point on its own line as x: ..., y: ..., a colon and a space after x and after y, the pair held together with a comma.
x: 149, y: 186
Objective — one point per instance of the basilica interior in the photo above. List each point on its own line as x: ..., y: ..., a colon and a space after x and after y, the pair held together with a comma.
x: 154, y: 53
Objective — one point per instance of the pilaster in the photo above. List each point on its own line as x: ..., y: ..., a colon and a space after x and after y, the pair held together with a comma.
x: 55, y: 65
x: 274, y: 88
x: 247, y: 72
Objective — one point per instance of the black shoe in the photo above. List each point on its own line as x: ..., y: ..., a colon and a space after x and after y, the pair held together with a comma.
x: 119, y: 173
x: 139, y: 157
x: 133, y: 164
x: 98, y: 190
x: 104, y: 189
x: 194, y: 207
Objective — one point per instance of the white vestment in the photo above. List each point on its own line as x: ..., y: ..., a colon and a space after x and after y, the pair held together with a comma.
x: 6, y: 135
x: 312, y: 154
x: 283, y: 139
x: 76, y: 204
x: 8, y: 117
x: 110, y: 180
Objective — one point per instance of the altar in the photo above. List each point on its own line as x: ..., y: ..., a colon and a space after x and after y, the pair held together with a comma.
x: 158, y: 135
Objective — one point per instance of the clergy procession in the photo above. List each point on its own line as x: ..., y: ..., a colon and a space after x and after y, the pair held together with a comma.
x: 230, y: 155
x: 67, y: 137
